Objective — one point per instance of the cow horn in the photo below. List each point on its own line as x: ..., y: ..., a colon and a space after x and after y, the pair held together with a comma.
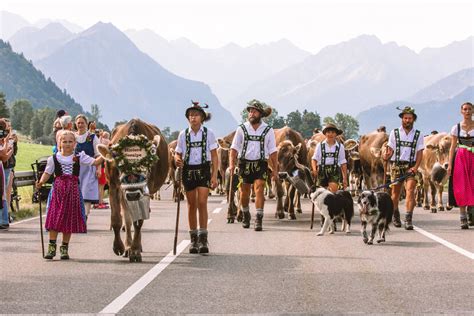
x: 350, y: 144
x: 105, y: 152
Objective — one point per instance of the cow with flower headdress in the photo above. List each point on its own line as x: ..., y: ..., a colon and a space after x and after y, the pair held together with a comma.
x: 137, y: 166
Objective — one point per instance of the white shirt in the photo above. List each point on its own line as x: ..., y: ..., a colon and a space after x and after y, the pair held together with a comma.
x: 405, y: 151
x: 82, y: 138
x: 195, y: 153
x: 67, y: 161
x: 454, y: 132
x: 253, y: 147
x: 341, y: 159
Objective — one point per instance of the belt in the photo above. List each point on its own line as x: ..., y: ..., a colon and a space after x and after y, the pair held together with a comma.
x: 471, y: 149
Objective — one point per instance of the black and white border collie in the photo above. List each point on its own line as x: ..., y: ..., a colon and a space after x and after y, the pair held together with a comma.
x: 377, y: 209
x: 332, y: 205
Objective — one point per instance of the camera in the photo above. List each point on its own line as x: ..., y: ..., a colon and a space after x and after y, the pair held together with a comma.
x: 3, y: 133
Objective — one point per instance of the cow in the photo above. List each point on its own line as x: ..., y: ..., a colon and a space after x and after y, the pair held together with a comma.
x: 433, y: 168
x: 172, y: 171
x: 122, y: 187
x: 353, y: 166
x: 370, y: 152
x: 292, y: 155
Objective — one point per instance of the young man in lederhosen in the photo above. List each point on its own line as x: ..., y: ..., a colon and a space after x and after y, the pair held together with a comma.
x: 405, y: 150
x: 329, y: 162
x: 196, y: 153
x: 253, y: 144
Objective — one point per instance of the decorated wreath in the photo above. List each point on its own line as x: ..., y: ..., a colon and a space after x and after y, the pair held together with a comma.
x: 138, y: 166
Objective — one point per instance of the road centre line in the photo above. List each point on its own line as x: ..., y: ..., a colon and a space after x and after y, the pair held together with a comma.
x: 224, y: 201
x: 25, y: 220
x: 116, y: 305
x: 217, y: 210
x: 445, y: 243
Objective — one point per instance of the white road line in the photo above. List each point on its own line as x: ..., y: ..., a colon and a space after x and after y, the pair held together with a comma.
x: 224, y: 202
x: 138, y: 286
x: 217, y: 210
x: 209, y: 221
x: 445, y: 243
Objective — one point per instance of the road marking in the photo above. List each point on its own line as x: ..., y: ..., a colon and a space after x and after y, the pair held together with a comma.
x: 209, y: 221
x: 217, y: 210
x: 138, y: 286
x: 445, y: 243
x: 224, y: 202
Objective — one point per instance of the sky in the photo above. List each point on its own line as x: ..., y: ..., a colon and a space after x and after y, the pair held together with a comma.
x: 310, y: 25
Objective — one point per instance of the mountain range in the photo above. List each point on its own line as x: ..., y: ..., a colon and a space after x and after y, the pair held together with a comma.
x: 141, y: 73
x: 228, y: 70
x: 102, y: 66
x: 437, y: 106
x: 353, y: 76
x: 20, y: 80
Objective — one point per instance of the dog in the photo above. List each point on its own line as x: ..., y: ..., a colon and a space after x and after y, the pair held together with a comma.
x: 332, y: 205
x: 377, y: 209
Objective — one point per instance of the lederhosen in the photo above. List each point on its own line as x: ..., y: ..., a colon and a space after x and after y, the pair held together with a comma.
x: 251, y: 170
x: 401, y: 167
x: 196, y: 175
x: 462, y: 141
x: 329, y: 173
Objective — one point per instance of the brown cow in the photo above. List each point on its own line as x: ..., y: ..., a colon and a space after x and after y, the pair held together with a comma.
x: 290, y: 145
x: 370, y: 152
x: 120, y: 194
x: 172, y: 170
x: 353, y: 166
x: 434, y: 167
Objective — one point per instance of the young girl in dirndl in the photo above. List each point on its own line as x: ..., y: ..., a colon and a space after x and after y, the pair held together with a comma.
x: 65, y: 207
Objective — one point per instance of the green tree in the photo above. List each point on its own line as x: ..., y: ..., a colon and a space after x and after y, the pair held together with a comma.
x: 310, y: 121
x: 348, y: 124
x: 294, y: 120
x: 4, y: 112
x: 46, y: 117
x: 36, y: 128
x: 96, y: 114
x: 21, y: 115
x: 274, y: 120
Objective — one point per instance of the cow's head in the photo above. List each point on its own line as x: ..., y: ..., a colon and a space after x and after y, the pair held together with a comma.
x: 441, y: 151
x: 133, y: 156
x: 288, y: 156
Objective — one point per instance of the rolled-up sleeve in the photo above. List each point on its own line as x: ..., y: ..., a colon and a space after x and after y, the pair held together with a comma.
x: 211, y: 140
x: 420, y: 144
x: 342, y: 156
x: 317, y: 154
x: 271, y: 142
x: 391, y: 140
x: 181, y: 145
x: 237, y: 142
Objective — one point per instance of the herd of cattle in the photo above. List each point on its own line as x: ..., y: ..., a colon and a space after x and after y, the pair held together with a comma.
x: 365, y: 166
x: 366, y: 170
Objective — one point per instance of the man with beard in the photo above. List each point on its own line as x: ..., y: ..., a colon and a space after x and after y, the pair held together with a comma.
x: 405, y: 150
x: 254, y: 143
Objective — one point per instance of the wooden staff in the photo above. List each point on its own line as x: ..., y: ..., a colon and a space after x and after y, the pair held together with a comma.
x: 179, y: 176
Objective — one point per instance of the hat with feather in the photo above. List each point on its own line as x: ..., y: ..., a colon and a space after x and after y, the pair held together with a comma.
x: 200, y: 108
x: 407, y: 110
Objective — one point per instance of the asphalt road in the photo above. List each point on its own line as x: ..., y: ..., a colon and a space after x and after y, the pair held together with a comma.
x: 284, y: 269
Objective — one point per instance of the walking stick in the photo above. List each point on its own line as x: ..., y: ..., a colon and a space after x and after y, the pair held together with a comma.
x: 179, y: 176
x: 230, y: 199
x: 312, y: 215
x: 38, y: 194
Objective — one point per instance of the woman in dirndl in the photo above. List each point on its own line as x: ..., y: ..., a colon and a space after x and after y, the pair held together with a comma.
x: 88, y: 177
x: 461, y: 167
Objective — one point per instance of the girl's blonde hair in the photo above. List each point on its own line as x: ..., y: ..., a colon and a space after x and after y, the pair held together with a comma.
x: 63, y: 133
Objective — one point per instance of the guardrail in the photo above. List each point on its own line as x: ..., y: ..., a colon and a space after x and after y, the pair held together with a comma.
x: 24, y: 178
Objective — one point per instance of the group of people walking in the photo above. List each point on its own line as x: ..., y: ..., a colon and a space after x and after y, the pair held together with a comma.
x: 254, y: 145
